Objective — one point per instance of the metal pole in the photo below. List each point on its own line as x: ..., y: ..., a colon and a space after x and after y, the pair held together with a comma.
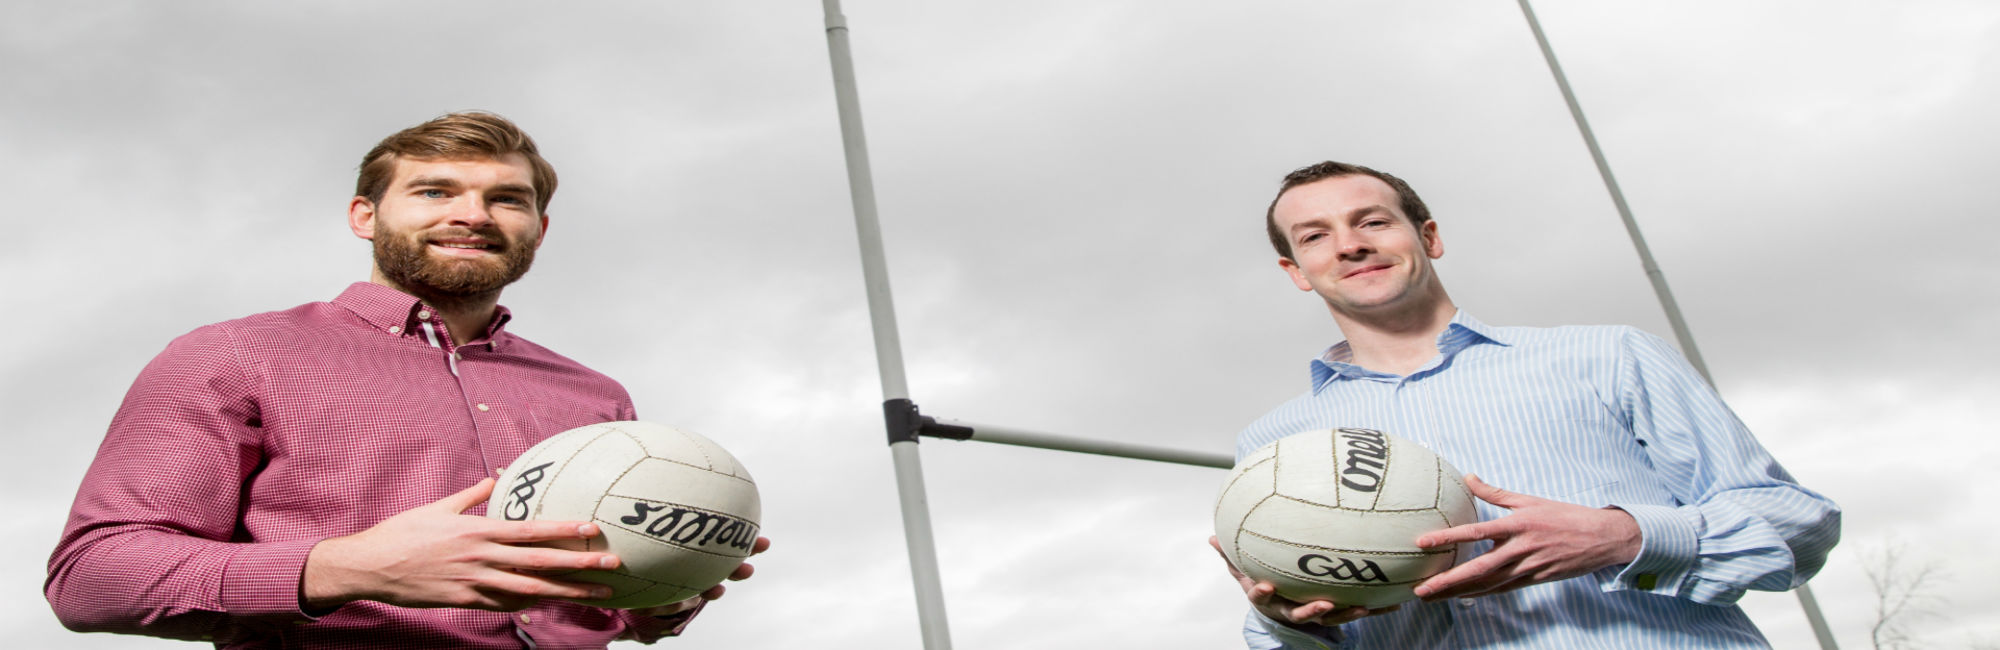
x: 1026, y: 438
x: 1653, y: 273
x: 888, y: 345
x: 1659, y: 279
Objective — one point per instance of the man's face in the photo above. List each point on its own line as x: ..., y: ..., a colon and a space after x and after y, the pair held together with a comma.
x: 1353, y: 245
x: 453, y: 228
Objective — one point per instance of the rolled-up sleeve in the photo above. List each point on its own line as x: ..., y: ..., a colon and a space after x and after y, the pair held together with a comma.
x: 1742, y: 522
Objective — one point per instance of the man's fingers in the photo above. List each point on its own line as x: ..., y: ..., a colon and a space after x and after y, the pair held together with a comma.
x: 467, y: 498
x: 1310, y: 612
x: 1261, y: 593
x: 541, y: 559
x: 1492, y: 562
x: 1341, y: 615
x: 523, y: 585
x: 1468, y: 578
x: 527, y: 532
x: 1264, y: 596
x: 670, y: 609
x: 1481, y: 586
x: 1344, y: 616
x: 1485, y: 492
x: 743, y: 572
x: 499, y: 602
x: 1497, y: 496
x: 763, y: 544
x: 1472, y: 532
x: 1217, y: 545
x: 714, y: 592
x: 1457, y: 577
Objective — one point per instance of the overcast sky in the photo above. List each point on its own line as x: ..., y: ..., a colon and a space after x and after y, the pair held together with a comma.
x: 1071, y: 196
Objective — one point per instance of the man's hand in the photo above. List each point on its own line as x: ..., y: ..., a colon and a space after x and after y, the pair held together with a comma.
x: 1264, y: 597
x: 742, y: 572
x: 1540, y: 541
x: 435, y: 556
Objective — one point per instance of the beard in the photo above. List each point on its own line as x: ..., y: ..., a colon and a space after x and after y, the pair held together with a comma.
x: 405, y: 259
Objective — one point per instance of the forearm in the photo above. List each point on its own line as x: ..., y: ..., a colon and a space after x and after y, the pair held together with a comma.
x: 138, y: 579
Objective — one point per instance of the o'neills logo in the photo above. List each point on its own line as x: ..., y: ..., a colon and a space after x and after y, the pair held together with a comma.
x: 1342, y: 568
x: 690, y: 527
x: 1367, y: 458
x: 516, y: 508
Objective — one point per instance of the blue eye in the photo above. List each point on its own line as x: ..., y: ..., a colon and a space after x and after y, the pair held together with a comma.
x: 432, y: 194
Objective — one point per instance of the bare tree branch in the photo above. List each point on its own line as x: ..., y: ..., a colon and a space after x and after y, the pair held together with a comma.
x: 1903, y: 593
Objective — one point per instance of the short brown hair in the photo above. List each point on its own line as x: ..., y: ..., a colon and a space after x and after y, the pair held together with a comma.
x: 1409, y: 202
x: 454, y: 136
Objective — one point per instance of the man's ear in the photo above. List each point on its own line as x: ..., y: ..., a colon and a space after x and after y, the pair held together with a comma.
x: 361, y: 217
x: 1298, y: 276
x: 1433, y: 245
x: 545, y: 233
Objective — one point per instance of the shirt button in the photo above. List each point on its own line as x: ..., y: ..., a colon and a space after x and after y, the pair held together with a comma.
x: 395, y: 329
x: 426, y: 314
x: 1466, y: 602
x: 524, y: 618
x: 482, y: 408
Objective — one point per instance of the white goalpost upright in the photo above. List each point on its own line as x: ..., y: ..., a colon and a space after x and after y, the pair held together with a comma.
x: 1653, y: 273
x: 905, y: 423
x: 888, y: 344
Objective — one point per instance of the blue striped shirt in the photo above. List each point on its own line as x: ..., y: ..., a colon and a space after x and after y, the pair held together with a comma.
x: 1598, y: 416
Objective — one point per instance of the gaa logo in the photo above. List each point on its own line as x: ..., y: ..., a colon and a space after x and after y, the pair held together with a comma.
x: 1342, y: 569
x: 516, y: 508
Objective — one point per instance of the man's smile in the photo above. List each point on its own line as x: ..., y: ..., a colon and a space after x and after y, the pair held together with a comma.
x: 1364, y: 270
x: 464, y: 246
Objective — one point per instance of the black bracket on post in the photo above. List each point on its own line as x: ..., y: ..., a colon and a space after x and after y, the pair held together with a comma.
x: 906, y: 423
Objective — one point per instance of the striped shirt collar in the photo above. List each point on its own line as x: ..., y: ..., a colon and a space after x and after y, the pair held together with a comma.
x: 1462, y: 332
x: 397, y: 313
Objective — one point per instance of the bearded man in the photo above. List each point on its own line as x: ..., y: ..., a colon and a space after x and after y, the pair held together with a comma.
x: 312, y: 477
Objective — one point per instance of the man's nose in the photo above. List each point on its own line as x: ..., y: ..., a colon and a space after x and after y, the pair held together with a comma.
x: 1352, y: 247
x: 472, y: 212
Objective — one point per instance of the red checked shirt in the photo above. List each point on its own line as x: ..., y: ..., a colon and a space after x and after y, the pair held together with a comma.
x: 247, y: 442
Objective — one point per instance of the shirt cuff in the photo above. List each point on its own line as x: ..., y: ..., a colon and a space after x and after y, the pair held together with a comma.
x: 647, y: 629
x: 1321, y: 638
x: 262, y: 580
x: 1667, y: 550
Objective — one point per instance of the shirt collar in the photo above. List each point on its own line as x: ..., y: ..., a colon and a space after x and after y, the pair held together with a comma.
x: 395, y: 312
x: 1462, y: 332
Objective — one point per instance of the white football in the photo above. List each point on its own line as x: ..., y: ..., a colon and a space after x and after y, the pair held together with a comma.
x: 678, y: 511
x: 1335, y: 515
